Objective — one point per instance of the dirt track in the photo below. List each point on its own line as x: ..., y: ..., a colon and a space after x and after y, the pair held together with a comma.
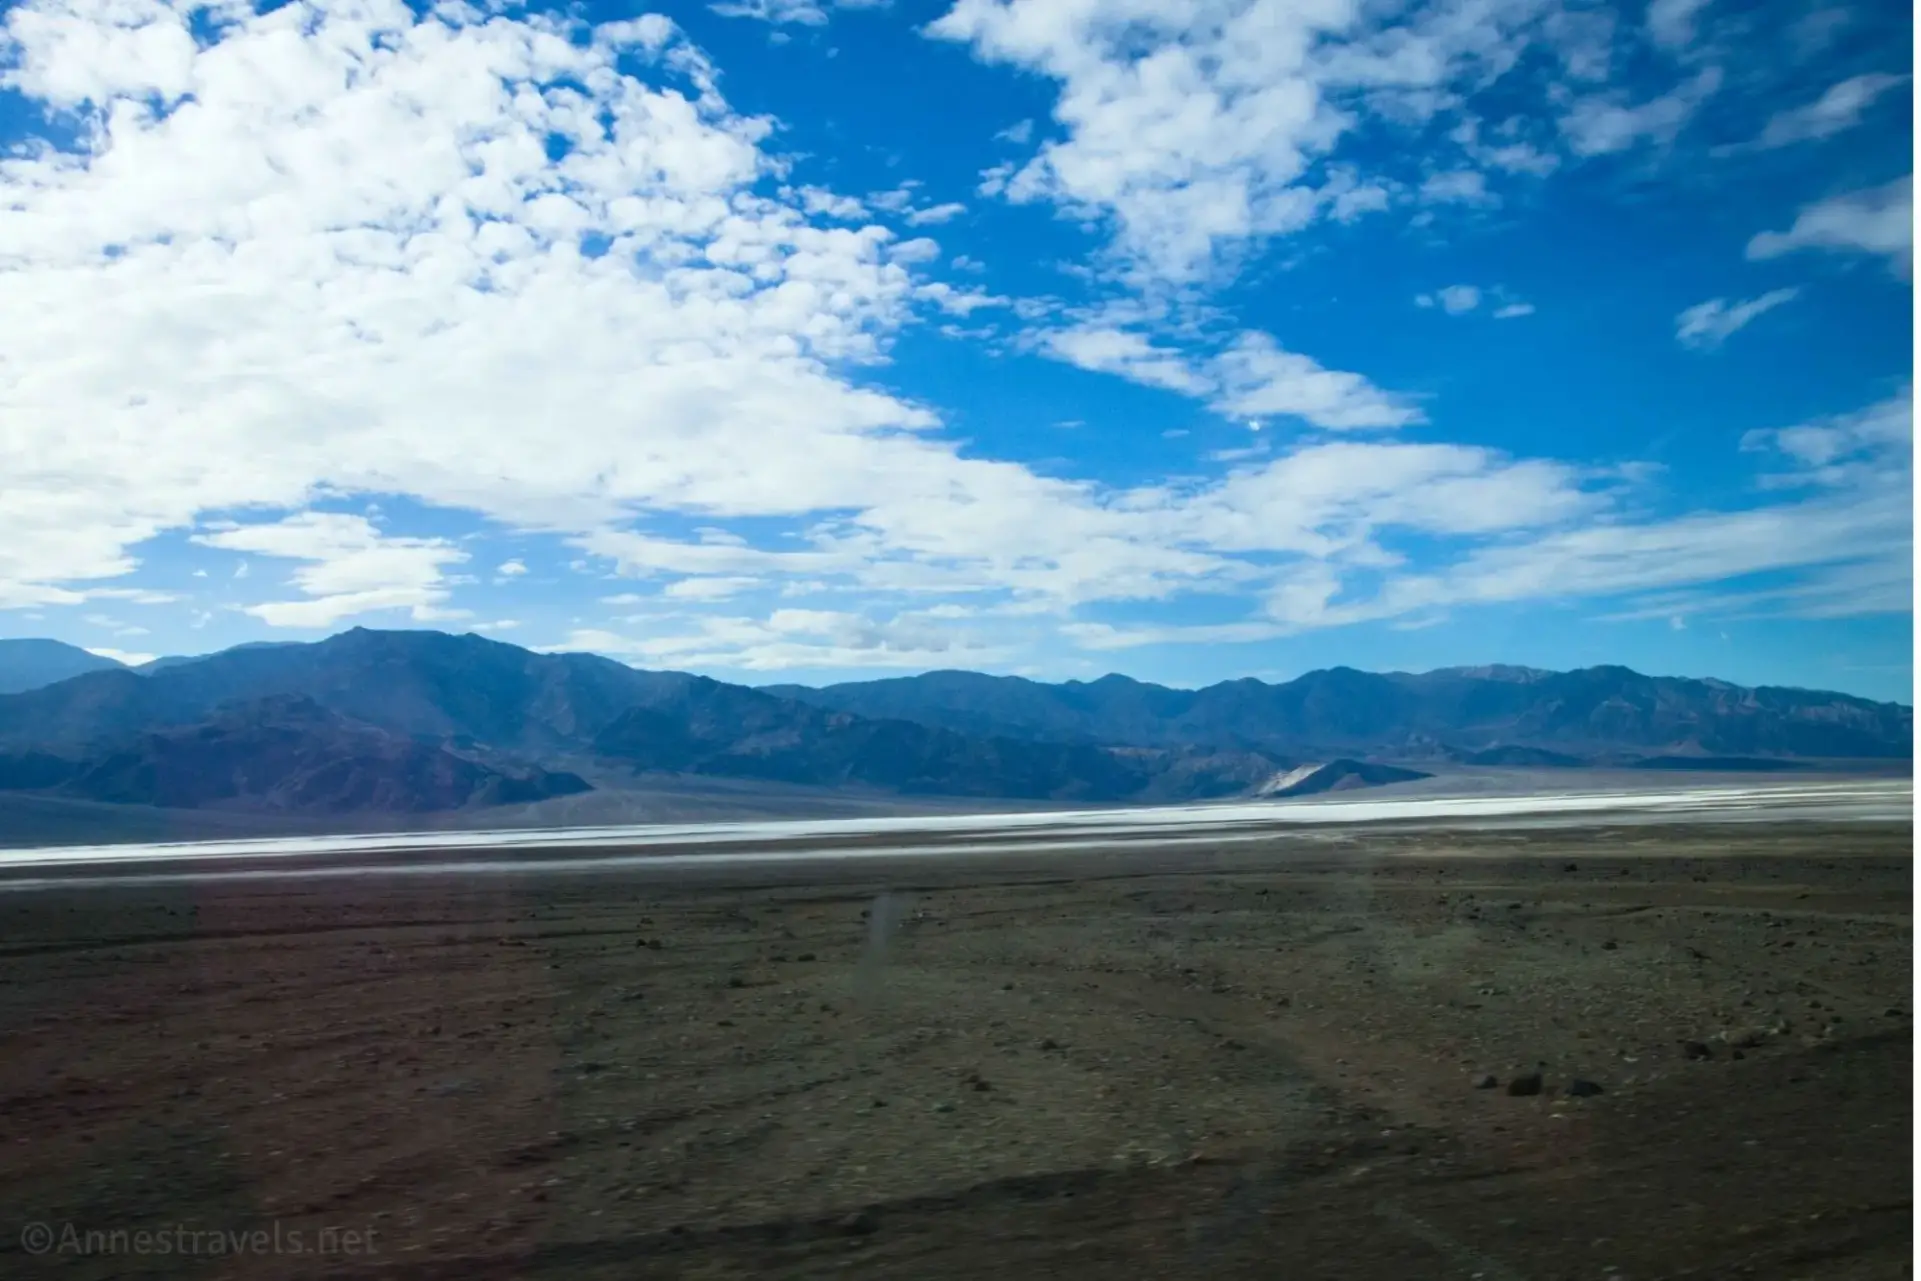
x: 1260, y: 1062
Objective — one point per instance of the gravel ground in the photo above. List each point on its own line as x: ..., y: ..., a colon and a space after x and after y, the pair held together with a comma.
x: 1270, y: 1060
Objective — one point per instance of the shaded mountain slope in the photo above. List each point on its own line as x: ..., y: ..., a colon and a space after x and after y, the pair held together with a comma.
x: 33, y: 662
x: 285, y: 753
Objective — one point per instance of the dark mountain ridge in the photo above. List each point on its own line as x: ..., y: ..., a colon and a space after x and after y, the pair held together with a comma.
x: 474, y: 694
x: 1593, y: 712
x: 419, y: 720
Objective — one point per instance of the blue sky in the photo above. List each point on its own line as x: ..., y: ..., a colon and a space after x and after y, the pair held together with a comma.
x: 786, y: 340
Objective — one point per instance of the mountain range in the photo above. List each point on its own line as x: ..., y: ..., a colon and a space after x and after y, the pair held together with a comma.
x: 1484, y: 715
x: 421, y: 722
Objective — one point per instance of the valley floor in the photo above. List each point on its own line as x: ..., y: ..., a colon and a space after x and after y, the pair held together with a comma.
x: 1257, y: 1060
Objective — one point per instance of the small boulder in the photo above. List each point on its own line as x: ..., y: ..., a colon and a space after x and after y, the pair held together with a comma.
x: 1696, y: 1050
x: 861, y: 1223
x: 1522, y: 1086
x: 1579, y: 1089
x: 1487, y: 1082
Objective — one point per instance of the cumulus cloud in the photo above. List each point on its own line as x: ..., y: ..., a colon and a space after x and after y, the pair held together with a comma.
x: 936, y: 213
x: 1876, y: 220
x: 1709, y: 324
x: 348, y: 567
x: 1458, y: 187
x: 328, y: 249
x: 1193, y: 128
x: 1460, y: 300
x: 539, y: 276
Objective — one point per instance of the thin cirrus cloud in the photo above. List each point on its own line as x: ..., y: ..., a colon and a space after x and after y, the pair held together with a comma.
x: 1708, y: 324
x: 1840, y: 108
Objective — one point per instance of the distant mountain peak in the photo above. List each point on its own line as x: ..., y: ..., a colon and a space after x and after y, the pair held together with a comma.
x: 32, y: 662
x: 1496, y: 672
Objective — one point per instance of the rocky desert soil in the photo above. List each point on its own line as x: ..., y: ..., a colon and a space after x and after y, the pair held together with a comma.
x: 1614, y: 1054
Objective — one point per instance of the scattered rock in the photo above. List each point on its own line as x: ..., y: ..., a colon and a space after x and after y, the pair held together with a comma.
x: 1487, y: 1082
x: 805, y: 956
x: 1696, y: 1050
x: 1609, y: 946
x: 861, y: 1223
x: 736, y: 981
x: 1579, y: 1089
x: 943, y: 1106
x: 1523, y: 1086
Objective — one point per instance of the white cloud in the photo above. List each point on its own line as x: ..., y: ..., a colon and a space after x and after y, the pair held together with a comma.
x: 510, y: 569
x: 1252, y: 377
x: 1460, y: 300
x: 121, y: 655
x: 959, y: 302
x: 1836, y: 450
x: 1129, y: 354
x: 895, y: 200
x: 707, y: 589
x: 1458, y: 187
x: 1020, y: 133
x: 345, y: 265
x: 349, y: 568
x: 322, y: 254
x: 1813, y: 32
x: 1671, y: 23
x: 1191, y: 129
x: 799, y: 638
x: 1709, y: 324
x: 778, y: 12
x: 1601, y: 124
x: 1256, y: 378
x: 1508, y: 152
x: 1876, y: 220
x: 935, y: 214
x: 1835, y: 111
x: 908, y: 252
x: 818, y: 202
